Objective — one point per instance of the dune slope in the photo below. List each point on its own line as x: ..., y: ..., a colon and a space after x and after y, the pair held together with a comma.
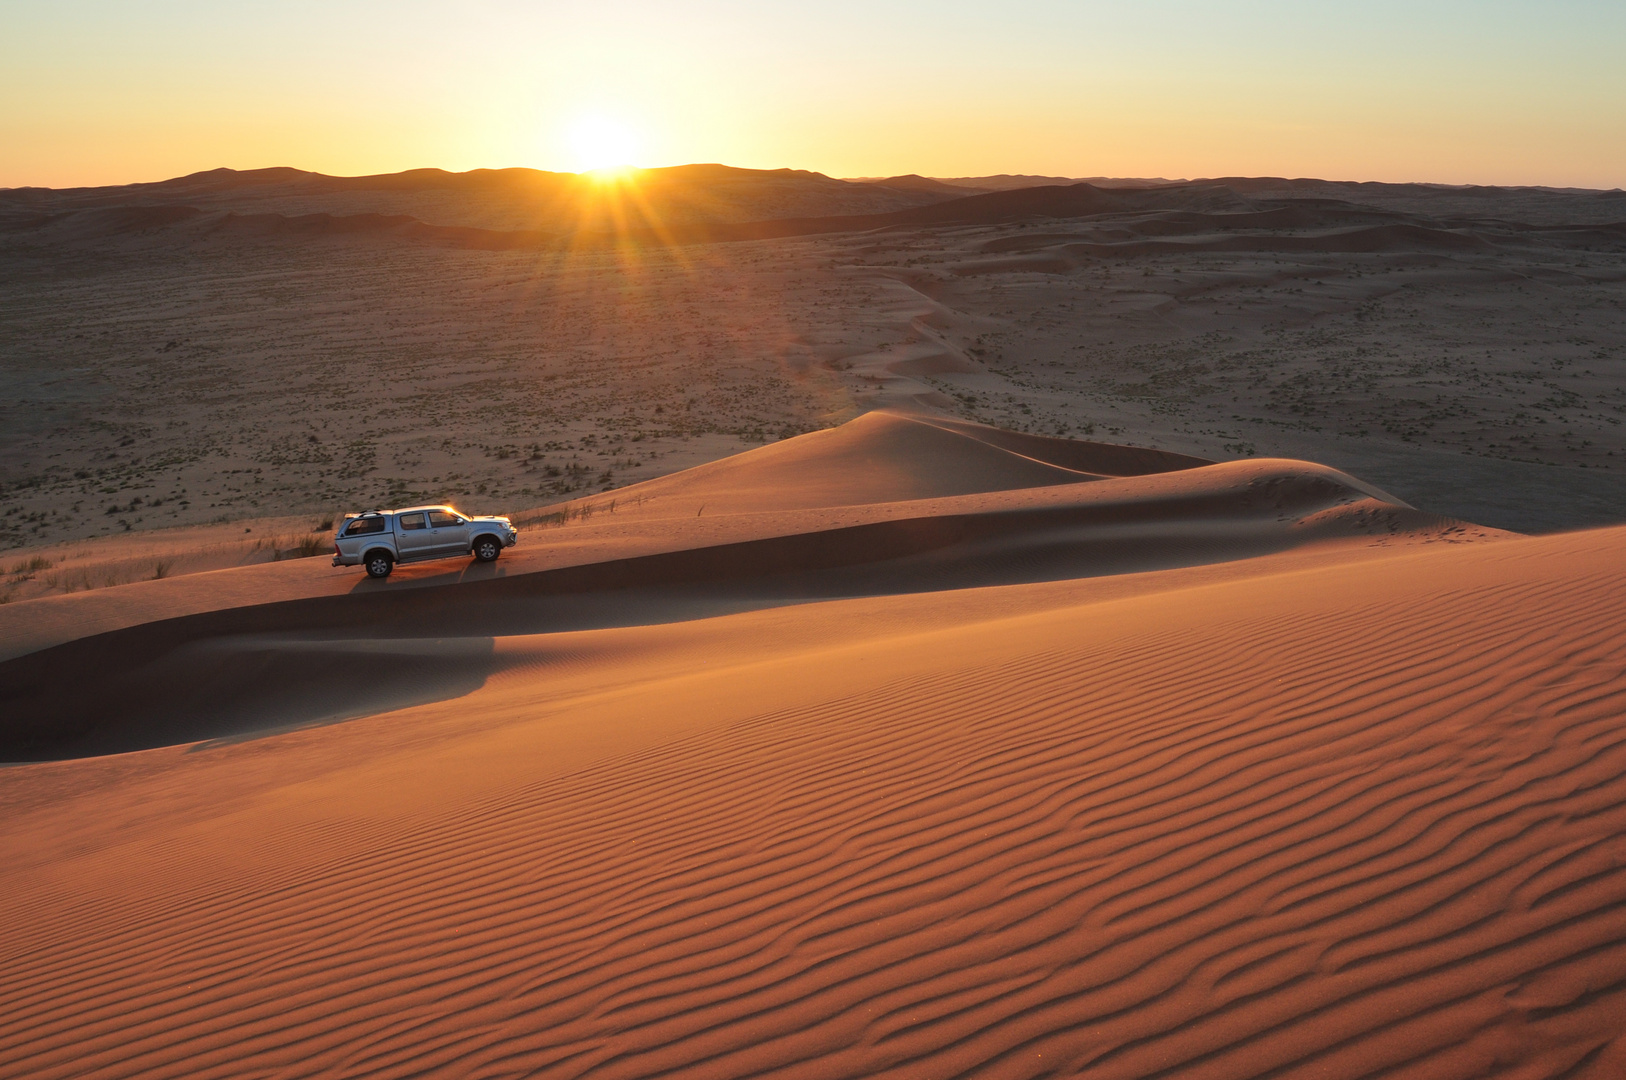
x: 887, y: 456
x: 1351, y: 818
x: 1132, y: 767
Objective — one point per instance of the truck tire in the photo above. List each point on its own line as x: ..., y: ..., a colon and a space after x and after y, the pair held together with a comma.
x: 487, y: 548
x: 379, y: 564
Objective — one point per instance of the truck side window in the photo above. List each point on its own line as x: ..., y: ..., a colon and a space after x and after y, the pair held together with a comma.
x: 363, y: 526
x: 440, y: 519
x: 408, y: 522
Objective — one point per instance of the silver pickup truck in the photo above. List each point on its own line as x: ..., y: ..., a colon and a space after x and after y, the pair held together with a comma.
x: 378, y: 539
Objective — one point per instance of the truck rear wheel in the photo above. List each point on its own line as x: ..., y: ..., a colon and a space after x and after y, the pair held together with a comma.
x: 486, y: 549
x: 379, y: 564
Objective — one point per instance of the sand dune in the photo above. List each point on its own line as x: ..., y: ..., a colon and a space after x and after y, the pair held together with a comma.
x: 889, y: 457
x: 906, y: 477
x: 931, y: 505
x: 485, y: 199
x: 1330, y: 812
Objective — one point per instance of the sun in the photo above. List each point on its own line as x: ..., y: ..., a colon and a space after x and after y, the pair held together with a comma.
x: 601, y: 145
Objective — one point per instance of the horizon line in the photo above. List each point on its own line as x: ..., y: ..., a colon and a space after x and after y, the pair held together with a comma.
x: 1151, y: 181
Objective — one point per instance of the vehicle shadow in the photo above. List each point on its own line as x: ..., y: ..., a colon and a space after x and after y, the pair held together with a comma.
x: 443, y: 573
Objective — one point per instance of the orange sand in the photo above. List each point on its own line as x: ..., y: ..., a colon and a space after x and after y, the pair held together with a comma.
x: 1335, y: 800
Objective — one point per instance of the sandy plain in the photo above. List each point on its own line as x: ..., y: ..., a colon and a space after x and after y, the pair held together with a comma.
x: 928, y: 736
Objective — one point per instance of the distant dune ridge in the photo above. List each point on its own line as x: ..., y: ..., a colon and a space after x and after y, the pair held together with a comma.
x: 909, y: 748
x: 503, y: 208
x: 503, y: 199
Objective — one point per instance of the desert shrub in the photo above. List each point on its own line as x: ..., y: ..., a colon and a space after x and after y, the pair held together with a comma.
x: 80, y: 579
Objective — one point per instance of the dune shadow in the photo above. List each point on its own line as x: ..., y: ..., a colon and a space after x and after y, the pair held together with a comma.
x: 233, y: 687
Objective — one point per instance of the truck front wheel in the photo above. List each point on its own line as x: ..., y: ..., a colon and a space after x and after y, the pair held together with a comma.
x: 486, y: 549
x: 379, y: 564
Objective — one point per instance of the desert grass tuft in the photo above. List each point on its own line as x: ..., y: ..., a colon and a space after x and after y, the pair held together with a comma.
x: 31, y: 566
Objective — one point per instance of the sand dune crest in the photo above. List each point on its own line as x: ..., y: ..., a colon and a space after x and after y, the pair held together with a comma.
x: 887, y: 456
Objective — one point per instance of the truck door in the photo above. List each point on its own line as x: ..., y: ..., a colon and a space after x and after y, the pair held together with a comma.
x: 449, y: 532
x: 413, y: 537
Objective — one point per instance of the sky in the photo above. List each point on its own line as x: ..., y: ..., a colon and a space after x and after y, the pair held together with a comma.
x: 117, y: 91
